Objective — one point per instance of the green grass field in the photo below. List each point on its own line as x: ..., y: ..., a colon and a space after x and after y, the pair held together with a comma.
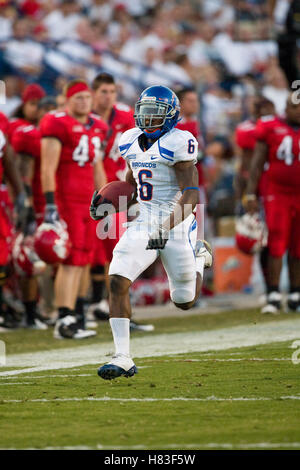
x: 217, y: 397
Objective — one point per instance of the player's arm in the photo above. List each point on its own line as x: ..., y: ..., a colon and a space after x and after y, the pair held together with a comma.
x: 27, y: 170
x: 99, y: 174
x: 242, y: 174
x: 50, y: 155
x: 13, y: 175
x: 256, y: 169
x: 96, y: 198
x: 187, y: 178
x: 130, y: 179
x: 26, y: 165
x: 12, y: 172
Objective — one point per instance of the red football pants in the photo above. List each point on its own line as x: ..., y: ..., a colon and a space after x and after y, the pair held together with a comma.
x: 80, y: 228
x: 283, y: 222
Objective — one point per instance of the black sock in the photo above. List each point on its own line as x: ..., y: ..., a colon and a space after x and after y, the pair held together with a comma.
x: 30, y: 310
x: 2, y: 282
x: 1, y: 301
x: 64, y: 311
x: 263, y: 259
x: 294, y: 290
x: 272, y: 288
x: 98, y: 287
x: 80, y: 309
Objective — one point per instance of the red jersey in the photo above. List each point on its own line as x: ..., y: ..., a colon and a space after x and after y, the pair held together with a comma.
x: 14, y: 123
x: 193, y: 127
x: 121, y: 119
x: 81, y: 147
x: 283, y: 143
x: 26, y: 140
x: 245, y: 135
x: 2, y: 149
x: 4, y: 124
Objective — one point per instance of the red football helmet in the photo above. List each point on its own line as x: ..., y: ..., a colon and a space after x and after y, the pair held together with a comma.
x: 52, y: 243
x: 25, y: 259
x: 251, y: 233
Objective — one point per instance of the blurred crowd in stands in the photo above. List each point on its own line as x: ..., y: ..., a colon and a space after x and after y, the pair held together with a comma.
x: 226, y: 50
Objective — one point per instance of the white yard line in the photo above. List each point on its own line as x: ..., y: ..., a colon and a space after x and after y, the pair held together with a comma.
x: 157, y: 345
x: 209, y: 445
x: 150, y: 399
x: 50, y: 376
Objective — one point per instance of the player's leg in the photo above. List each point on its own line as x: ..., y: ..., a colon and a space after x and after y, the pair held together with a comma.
x: 263, y: 261
x: 278, y: 220
x: 69, y: 274
x: 184, y: 260
x: 293, y: 302
x: 99, y: 280
x: 130, y: 259
x: 2, y: 283
x: 81, y: 301
x: 30, y: 296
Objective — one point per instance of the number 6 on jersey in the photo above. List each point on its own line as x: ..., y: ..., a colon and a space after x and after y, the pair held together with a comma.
x: 145, y: 189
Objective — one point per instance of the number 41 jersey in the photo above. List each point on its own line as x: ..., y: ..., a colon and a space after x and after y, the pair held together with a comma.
x: 157, y: 187
x: 81, y: 147
x: 283, y: 143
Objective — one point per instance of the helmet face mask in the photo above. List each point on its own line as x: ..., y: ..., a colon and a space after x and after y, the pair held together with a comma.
x: 157, y: 110
x: 151, y: 115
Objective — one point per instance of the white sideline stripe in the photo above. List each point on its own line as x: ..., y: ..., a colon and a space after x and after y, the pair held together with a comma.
x: 15, y: 383
x: 158, y: 345
x: 150, y: 399
x: 32, y: 377
x: 210, y: 445
x: 49, y: 376
x: 241, y: 359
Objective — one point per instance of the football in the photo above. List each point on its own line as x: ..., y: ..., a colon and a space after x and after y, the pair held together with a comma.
x: 111, y: 194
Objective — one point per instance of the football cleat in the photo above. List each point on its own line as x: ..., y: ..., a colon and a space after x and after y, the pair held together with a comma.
x: 293, y: 302
x: 36, y: 324
x: 98, y: 311
x: 273, y: 304
x: 118, y: 366
x: 68, y: 328
x: 203, y: 248
x: 134, y: 326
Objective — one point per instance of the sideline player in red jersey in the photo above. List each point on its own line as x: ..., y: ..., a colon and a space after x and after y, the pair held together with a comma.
x: 245, y: 137
x: 189, y: 111
x: 278, y: 143
x: 9, y: 169
x: 119, y: 118
x: 27, y: 113
x: 26, y: 141
x: 71, y: 167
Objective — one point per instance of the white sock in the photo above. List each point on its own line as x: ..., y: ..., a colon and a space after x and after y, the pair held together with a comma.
x: 121, y: 334
x: 200, y: 260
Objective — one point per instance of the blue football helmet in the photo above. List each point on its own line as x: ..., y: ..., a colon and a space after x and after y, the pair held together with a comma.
x: 157, y: 111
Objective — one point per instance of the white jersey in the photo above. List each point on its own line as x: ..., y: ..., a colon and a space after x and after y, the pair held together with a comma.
x: 157, y: 186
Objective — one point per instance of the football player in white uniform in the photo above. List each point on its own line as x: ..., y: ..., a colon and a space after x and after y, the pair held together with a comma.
x: 161, y: 165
